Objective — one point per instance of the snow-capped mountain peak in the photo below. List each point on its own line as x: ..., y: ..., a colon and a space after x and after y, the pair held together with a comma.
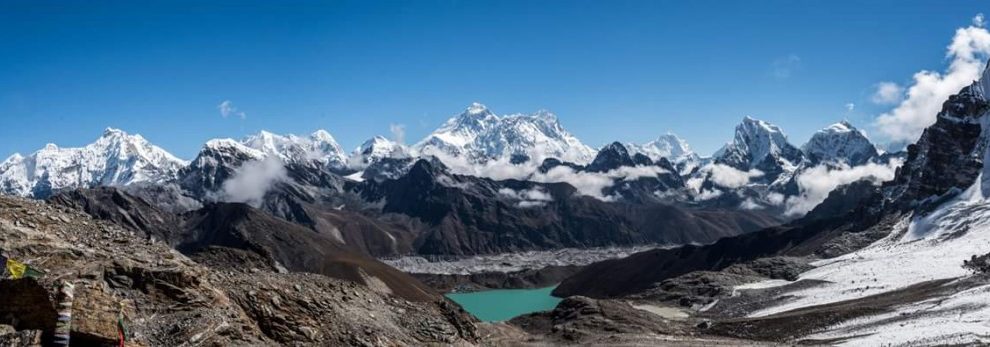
x: 477, y: 109
x: 115, y: 158
x: 668, y: 146
x: 322, y: 136
x: 478, y: 135
x: 840, y: 142
x: 376, y: 149
x: 232, y: 146
x: 759, y: 145
x: 319, y: 146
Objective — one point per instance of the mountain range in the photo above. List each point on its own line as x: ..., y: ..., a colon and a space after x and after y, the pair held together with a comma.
x: 758, y: 162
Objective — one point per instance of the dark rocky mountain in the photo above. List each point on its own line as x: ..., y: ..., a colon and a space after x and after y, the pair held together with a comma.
x: 472, y: 215
x: 611, y: 157
x: 948, y: 155
x: 293, y: 247
x: 282, y: 244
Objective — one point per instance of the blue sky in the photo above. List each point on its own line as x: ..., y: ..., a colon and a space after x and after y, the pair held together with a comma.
x: 611, y: 70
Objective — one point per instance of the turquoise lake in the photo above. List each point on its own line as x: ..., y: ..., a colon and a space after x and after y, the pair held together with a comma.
x: 505, y: 304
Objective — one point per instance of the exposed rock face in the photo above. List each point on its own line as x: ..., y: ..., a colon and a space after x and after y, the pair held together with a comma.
x: 949, y: 153
x: 216, y: 162
x: 611, y: 157
x: 123, y: 209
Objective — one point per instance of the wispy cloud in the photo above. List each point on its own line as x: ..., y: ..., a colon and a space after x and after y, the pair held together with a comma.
x: 979, y: 20
x: 785, y: 67
x: 398, y: 132
x: 227, y: 109
x: 850, y: 107
x: 967, y: 53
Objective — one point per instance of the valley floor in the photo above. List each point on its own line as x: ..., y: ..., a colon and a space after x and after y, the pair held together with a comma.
x: 511, y: 262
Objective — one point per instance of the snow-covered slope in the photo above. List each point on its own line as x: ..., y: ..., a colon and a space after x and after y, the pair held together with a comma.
x: 116, y: 158
x: 477, y: 136
x: 931, y: 247
x: 374, y: 150
x: 319, y: 146
x: 939, y: 228
x: 840, y: 143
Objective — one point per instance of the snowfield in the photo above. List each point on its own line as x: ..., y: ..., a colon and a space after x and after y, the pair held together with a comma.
x: 919, y: 249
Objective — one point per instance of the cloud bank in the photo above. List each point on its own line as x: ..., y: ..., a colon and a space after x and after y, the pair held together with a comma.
x: 816, y: 183
x: 967, y: 53
x: 729, y: 177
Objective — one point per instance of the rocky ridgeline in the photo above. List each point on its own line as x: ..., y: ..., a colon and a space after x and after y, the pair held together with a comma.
x: 167, y: 299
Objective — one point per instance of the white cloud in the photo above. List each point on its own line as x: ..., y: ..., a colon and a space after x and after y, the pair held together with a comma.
x: 252, y: 181
x: 587, y: 183
x: 398, y: 132
x: 749, y: 204
x: 227, y: 109
x: 816, y: 183
x: 729, y: 177
x: 534, y: 197
x: 967, y: 53
x: 887, y: 93
x: 775, y: 198
x: 708, y: 195
x: 850, y: 107
x: 784, y: 67
x: 979, y: 20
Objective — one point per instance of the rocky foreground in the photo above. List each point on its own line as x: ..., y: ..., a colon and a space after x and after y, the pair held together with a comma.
x: 167, y: 299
